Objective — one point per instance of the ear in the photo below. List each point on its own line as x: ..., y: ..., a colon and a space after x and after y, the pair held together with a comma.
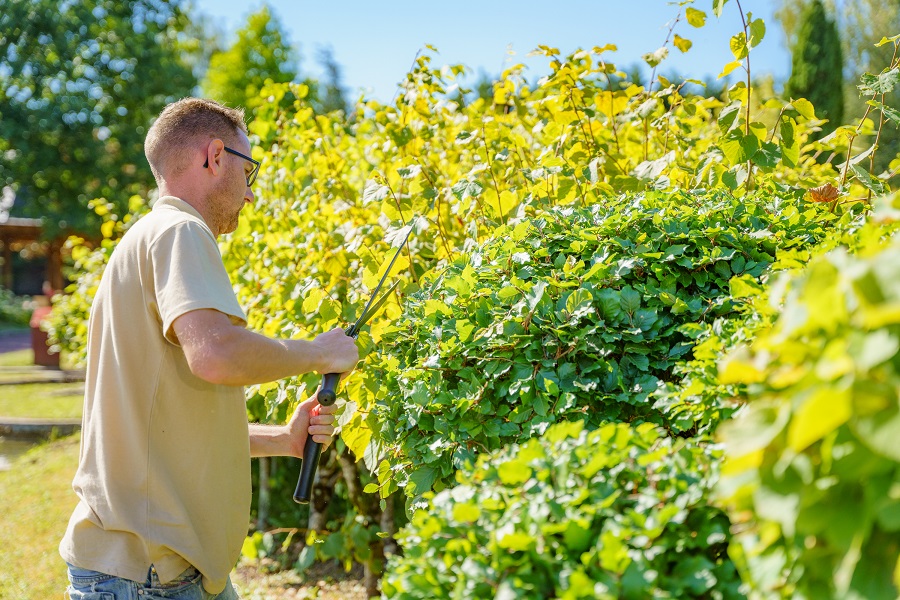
x: 215, y: 151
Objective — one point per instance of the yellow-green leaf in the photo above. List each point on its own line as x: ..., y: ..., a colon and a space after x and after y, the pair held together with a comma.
x: 466, y: 512
x: 729, y: 68
x: 824, y: 411
x: 107, y: 229
x: 682, y: 44
x: 738, y: 45
x: 516, y: 541
x: 514, y: 472
x: 695, y: 18
x: 804, y: 107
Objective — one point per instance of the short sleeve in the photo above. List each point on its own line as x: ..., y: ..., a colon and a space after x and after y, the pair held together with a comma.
x: 189, y: 275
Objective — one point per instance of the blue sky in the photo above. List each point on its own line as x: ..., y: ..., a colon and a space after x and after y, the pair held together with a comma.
x: 375, y: 42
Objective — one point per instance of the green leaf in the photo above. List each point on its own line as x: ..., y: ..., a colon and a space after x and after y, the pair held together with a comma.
x: 610, y: 303
x: 874, y: 185
x: 516, y: 541
x: 728, y: 117
x: 514, y: 472
x: 306, y: 559
x: 422, y: 479
x: 630, y: 300
x: 374, y: 192
x: 465, y: 189
x: 466, y: 512
x: 880, y: 433
x: 889, y: 112
x: 757, y: 32
x: 695, y: 18
x: 768, y: 155
x: 883, y: 83
x: 821, y: 413
x: 738, y: 147
x: 718, y: 5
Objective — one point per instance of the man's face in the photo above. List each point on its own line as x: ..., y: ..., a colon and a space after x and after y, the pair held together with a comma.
x: 232, y: 192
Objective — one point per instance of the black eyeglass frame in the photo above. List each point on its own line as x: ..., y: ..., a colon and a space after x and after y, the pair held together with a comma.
x: 256, y: 164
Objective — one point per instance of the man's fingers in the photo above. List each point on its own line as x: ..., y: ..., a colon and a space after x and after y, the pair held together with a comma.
x: 321, y: 420
x: 325, y: 440
x: 328, y: 410
x: 321, y: 430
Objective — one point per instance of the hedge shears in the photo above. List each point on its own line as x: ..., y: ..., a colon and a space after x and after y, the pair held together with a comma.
x: 327, y: 396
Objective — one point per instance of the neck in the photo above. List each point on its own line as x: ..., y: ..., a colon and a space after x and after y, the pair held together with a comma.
x: 197, y: 201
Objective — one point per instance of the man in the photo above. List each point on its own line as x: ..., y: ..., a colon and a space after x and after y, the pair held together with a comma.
x: 164, y: 473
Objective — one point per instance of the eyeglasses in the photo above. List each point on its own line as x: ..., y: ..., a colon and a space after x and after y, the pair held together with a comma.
x: 251, y: 176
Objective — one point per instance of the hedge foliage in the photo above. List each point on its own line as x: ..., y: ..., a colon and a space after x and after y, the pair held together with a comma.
x: 813, y: 464
x: 610, y: 513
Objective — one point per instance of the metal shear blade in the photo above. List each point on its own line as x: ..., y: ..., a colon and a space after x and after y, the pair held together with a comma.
x: 370, y: 309
x: 369, y: 312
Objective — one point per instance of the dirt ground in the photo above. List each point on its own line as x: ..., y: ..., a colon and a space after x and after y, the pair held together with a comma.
x: 323, y: 581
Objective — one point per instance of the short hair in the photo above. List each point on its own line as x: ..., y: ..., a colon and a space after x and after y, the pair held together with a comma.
x: 181, y: 126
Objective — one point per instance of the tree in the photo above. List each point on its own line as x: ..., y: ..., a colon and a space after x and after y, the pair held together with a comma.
x: 82, y: 81
x: 261, y: 51
x: 816, y: 65
x: 331, y: 90
x: 861, y: 24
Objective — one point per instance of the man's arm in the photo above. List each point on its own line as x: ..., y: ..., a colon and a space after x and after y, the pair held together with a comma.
x: 223, y: 353
x: 290, y: 439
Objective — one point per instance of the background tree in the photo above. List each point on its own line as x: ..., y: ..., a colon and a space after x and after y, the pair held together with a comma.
x: 82, y: 82
x: 816, y: 65
x: 262, y: 51
x: 861, y: 24
x: 331, y: 90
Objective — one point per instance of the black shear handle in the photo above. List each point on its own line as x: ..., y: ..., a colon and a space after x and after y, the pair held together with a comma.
x: 313, y: 450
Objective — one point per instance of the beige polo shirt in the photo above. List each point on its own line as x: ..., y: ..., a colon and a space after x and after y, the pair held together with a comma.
x: 164, y: 472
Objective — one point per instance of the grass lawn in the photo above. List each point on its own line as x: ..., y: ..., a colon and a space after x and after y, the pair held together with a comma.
x: 17, y: 358
x: 36, y: 500
x: 42, y: 400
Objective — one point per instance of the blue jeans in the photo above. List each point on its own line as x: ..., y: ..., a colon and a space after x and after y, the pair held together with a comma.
x: 91, y: 585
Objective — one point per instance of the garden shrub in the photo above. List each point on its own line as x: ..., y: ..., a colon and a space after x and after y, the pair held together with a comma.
x: 619, y: 512
x: 579, y: 314
x: 812, y: 477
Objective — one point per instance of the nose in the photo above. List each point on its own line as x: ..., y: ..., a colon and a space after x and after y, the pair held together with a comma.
x: 249, y: 197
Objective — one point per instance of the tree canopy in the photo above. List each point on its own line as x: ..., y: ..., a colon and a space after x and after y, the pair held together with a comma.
x: 262, y: 51
x: 816, y: 65
x: 83, y: 82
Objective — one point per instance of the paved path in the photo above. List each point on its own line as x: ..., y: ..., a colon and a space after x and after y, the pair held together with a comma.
x: 11, y: 341
x: 35, y: 429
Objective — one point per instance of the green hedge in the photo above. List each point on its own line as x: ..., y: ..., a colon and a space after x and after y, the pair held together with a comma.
x: 577, y: 314
x: 620, y: 512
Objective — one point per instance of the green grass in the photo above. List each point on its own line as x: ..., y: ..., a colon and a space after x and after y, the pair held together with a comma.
x: 36, y: 500
x: 17, y: 358
x: 42, y: 401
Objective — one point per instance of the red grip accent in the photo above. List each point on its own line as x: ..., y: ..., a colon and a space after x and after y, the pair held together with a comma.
x: 315, y: 411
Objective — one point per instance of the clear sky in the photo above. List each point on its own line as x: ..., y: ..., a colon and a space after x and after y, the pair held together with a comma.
x: 376, y: 42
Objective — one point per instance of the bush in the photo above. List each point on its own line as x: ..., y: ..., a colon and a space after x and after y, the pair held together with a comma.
x: 15, y: 310
x: 620, y: 512
x: 579, y: 314
x: 812, y: 476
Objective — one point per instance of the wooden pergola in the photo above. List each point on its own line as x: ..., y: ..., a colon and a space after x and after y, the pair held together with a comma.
x: 17, y: 233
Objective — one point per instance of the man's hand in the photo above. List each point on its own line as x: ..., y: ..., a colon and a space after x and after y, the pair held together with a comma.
x: 311, y: 419
x: 339, y: 352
